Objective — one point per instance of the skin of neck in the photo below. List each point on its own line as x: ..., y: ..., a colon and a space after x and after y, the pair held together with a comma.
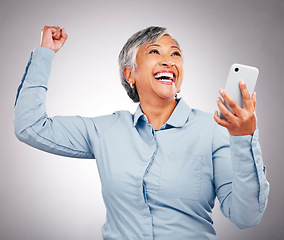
x: 157, y: 112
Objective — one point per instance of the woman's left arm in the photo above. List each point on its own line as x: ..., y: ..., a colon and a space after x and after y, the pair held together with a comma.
x: 243, y: 189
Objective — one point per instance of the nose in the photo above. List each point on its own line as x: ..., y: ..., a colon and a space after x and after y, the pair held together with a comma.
x: 167, y: 64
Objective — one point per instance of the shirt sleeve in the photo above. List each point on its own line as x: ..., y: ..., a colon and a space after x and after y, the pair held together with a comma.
x: 239, y: 177
x: 66, y: 136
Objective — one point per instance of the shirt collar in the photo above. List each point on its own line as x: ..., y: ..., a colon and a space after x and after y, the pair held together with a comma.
x: 137, y: 115
x: 178, y: 118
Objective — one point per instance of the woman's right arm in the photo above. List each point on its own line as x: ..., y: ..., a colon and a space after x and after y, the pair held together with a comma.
x: 67, y: 136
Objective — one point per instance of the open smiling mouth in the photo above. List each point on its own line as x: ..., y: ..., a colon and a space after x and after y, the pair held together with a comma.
x: 166, y: 77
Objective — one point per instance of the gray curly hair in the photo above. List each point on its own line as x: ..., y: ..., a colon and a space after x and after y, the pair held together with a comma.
x: 127, y: 56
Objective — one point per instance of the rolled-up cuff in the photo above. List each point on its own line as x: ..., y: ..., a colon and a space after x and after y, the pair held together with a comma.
x: 43, y: 52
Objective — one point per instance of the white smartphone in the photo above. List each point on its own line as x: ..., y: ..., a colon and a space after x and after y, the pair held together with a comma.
x: 237, y: 73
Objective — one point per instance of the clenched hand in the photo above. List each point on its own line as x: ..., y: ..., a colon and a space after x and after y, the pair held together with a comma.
x: 53, y: 38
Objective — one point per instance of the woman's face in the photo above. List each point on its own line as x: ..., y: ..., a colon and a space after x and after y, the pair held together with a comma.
x: 159, y: 71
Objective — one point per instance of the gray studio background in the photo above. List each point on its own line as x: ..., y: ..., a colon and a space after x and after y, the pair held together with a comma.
x: 47, y: 197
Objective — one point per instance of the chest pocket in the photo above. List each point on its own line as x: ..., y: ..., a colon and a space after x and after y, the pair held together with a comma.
x: 181, y: 177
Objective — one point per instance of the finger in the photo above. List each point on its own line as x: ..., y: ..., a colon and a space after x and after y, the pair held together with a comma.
x: 253, y: 98
x: 46, y: 37
x: 55, y: 29
x: 220, y: 121
x: 50, y: 29
x: 247, y: 100
x: 227, y: 114
x: 56, y: 34
x: 51, y: 32
x: 63, y: 36
x: 231, y: 102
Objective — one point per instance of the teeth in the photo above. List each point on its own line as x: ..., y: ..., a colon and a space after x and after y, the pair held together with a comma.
x: 166, y: 80
x: 164, y: 74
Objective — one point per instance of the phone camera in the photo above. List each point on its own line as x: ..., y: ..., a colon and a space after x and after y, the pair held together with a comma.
x: 236, y: 69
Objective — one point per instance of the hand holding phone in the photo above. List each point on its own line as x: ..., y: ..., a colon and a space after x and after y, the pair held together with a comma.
x: 237, y: 106
x: 237, y: 73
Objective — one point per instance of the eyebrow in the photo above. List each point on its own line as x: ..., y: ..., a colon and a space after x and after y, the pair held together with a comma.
x: 157, y: 45
x: 175, y: 47
x: 151, y: 45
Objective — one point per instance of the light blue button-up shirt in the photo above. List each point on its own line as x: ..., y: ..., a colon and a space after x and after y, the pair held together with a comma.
x: 156, y: 184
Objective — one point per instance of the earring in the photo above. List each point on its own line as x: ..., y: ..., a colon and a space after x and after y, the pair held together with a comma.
x: 132, y: 85
x: 176, y: 96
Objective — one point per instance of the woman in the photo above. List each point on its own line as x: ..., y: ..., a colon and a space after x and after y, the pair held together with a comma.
x: 162, y: 167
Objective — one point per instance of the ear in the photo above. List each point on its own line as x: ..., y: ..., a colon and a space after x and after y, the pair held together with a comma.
x: 129, y: 75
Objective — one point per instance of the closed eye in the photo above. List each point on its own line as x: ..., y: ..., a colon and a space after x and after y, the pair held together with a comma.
x: 176, y: 54
x: 154, y: 51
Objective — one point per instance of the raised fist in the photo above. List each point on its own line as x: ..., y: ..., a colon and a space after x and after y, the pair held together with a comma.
x: 53, y: 38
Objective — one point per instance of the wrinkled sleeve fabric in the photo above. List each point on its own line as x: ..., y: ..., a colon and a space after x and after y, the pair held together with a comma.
x: 61, y: 135
x: 239, y: 177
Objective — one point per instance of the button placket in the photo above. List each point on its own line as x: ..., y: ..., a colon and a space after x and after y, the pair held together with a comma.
x: 154, y: 149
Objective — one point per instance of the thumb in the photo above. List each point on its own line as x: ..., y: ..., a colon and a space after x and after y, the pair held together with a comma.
x: 63, y: 37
